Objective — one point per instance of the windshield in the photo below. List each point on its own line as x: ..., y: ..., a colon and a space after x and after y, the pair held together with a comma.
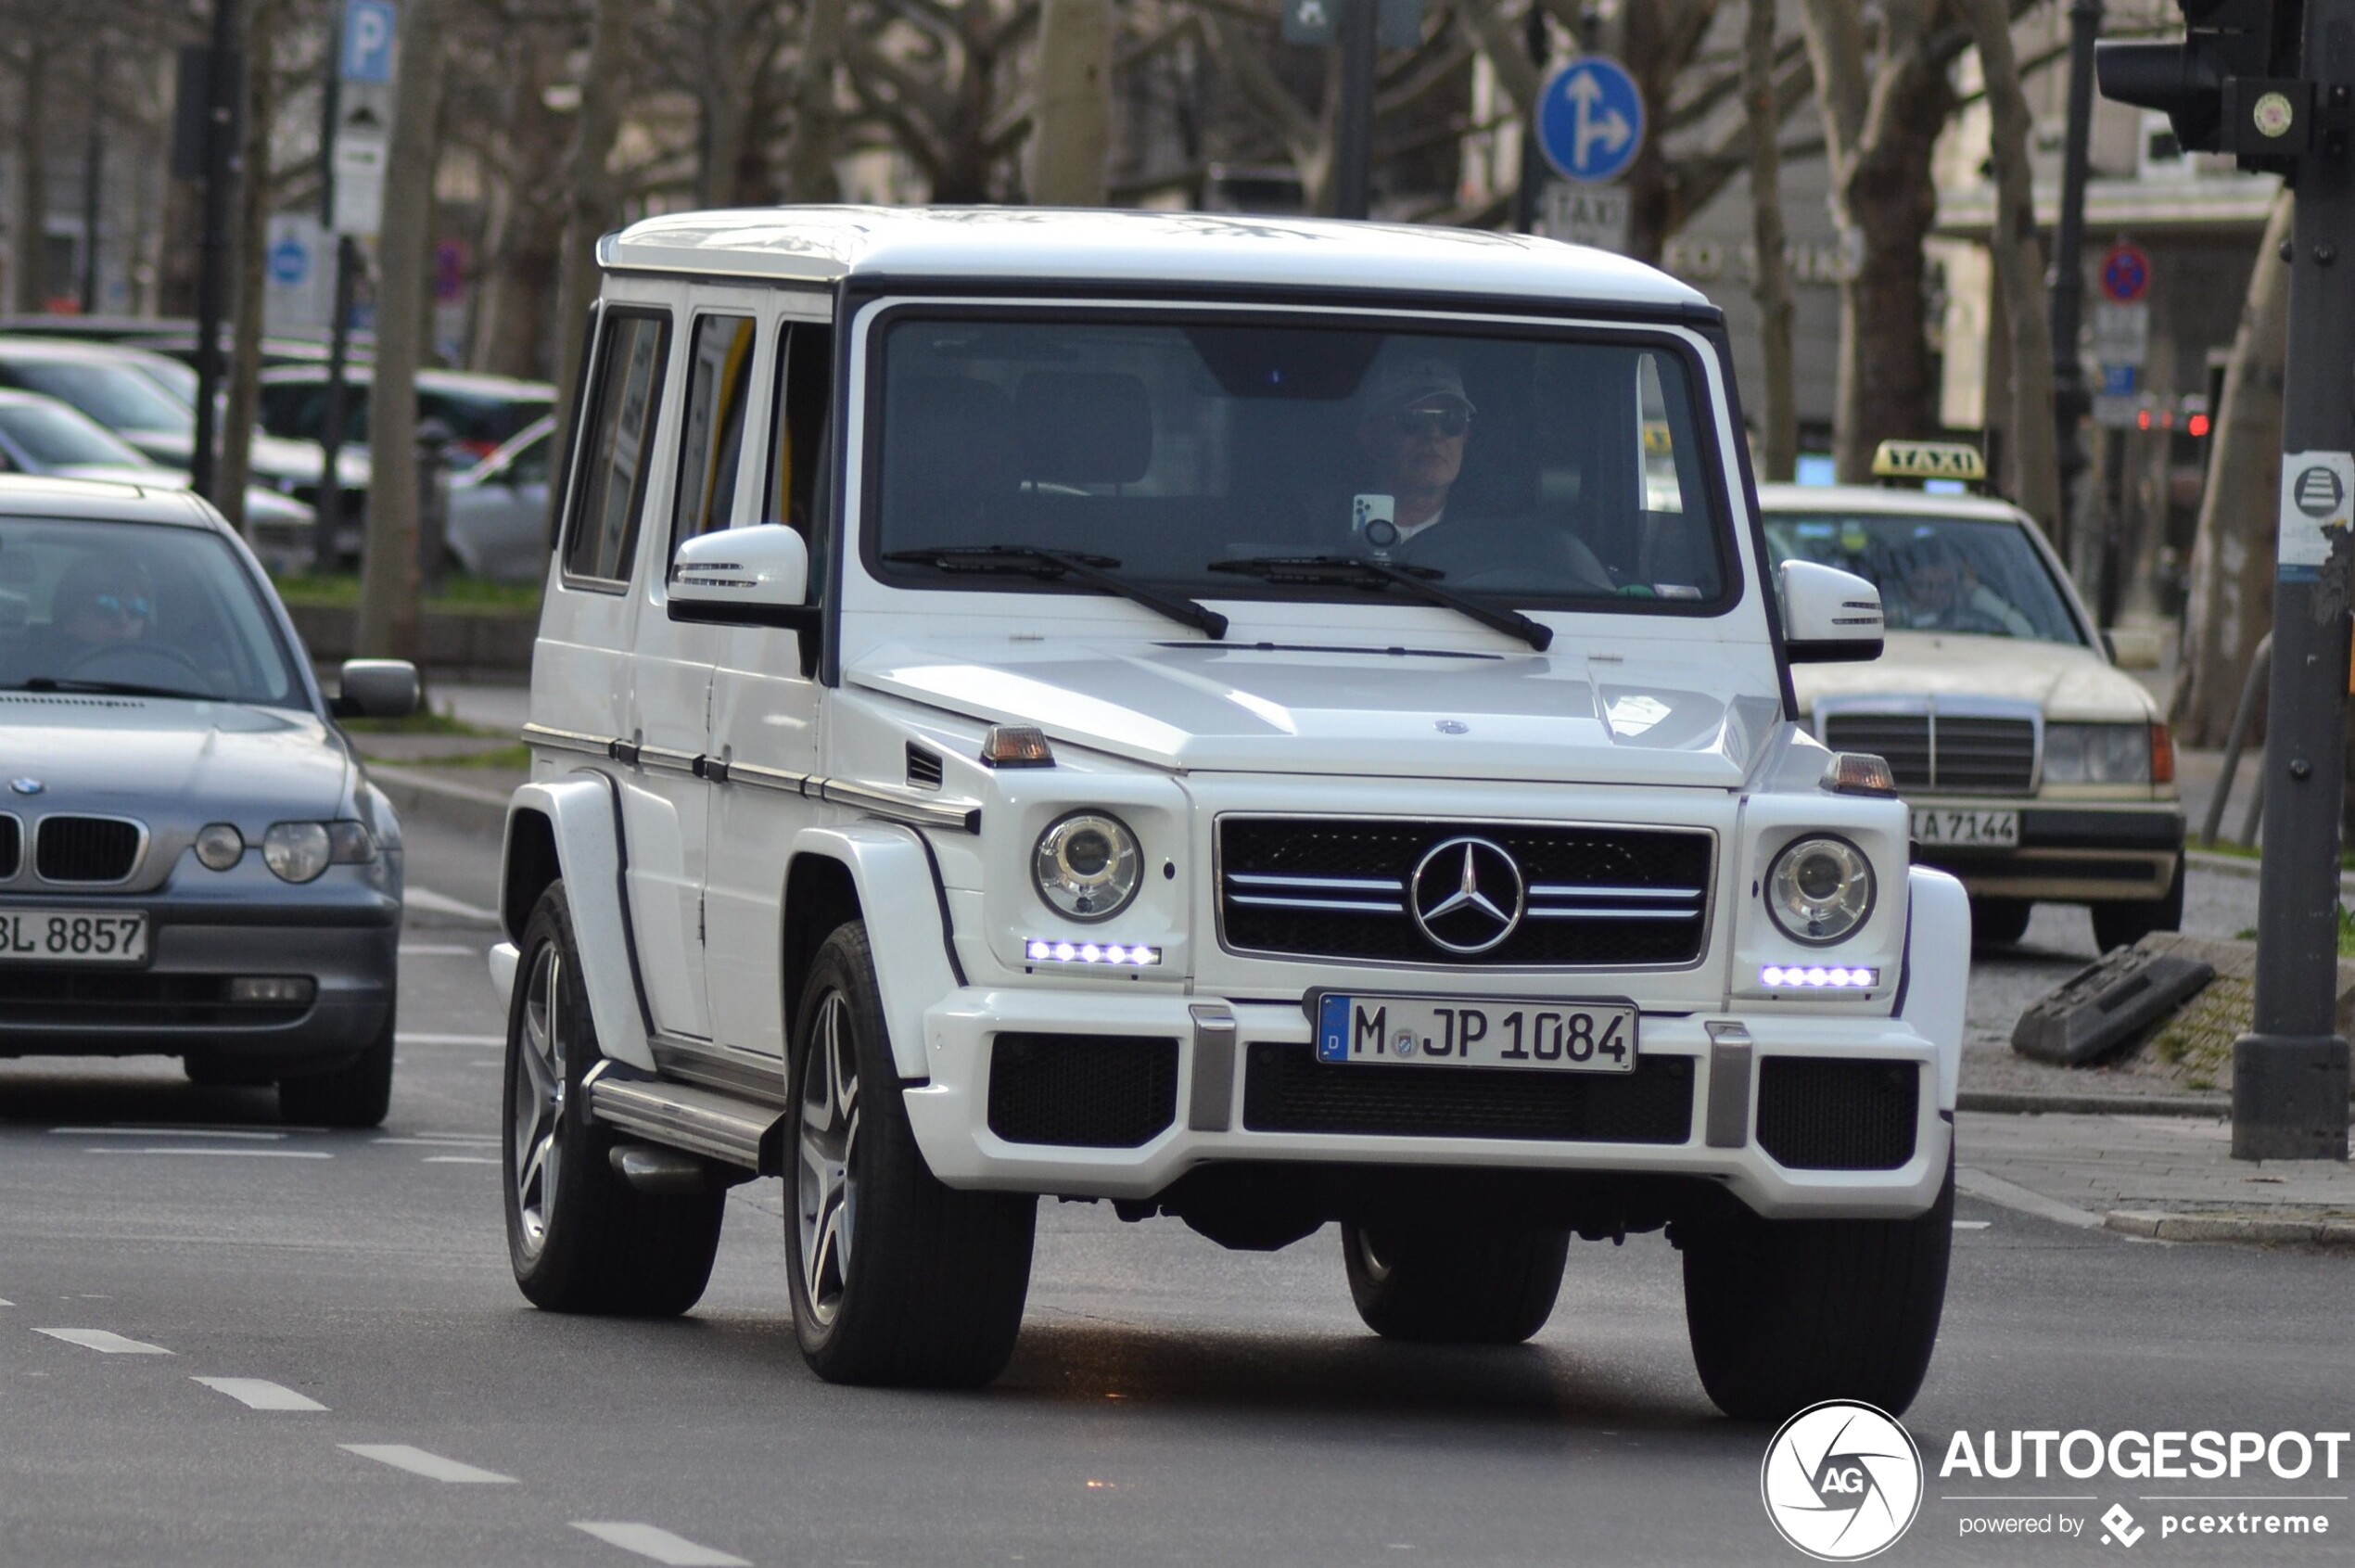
x: 56, y: 437
x: 1542, y: 470
x: 1936, y: 574
x: 115, y: 395
x: 136, y: 606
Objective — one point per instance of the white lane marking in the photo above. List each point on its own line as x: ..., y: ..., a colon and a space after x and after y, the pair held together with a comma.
x: 260, y: 1393
x: 1996, y: 1189
x: 165, y: 1132
x: 105, y: 1341
x: 233, y: 1153
x: 401, y: 1456
x: 438, y: 949
x: 458, y: 1160
x: 406, y: 1038
x: 653, y: 1541
x: 7, y: 1303
x: 442, y: 903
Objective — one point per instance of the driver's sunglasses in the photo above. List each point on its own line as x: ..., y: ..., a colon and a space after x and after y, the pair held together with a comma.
x: 128, y: 606
x: 1448, y: 424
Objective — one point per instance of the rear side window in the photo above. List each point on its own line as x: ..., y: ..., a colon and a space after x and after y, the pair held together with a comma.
x: 618, y: 445
x: 711, y: 431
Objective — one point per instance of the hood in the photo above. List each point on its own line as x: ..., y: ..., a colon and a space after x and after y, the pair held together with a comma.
x: 158, y: 757
x: 2066, y: 682
x: 1556, y: 717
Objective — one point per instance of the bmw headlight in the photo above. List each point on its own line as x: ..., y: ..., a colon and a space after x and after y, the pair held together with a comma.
x: 2097, y: 754
x: 220, y: 845
x: 1088, y: 865
x: 296, y: 851
x: 1819, y: 890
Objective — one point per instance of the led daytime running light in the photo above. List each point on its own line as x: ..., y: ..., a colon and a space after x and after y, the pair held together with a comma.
x: 1818, y: 978
x: 1123, y: 954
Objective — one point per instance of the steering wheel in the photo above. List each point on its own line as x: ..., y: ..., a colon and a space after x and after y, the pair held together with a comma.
x: 123, y: 662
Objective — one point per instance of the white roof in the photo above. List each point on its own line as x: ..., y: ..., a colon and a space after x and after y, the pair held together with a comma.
x: 1894, y: 501
x: 99, y: 500
x: 1003, y: 244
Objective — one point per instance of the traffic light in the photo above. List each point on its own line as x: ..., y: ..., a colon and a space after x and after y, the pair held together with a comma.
x: 2232, y: 85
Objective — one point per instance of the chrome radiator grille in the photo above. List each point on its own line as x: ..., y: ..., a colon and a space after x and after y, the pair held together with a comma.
x: 1945, y: 752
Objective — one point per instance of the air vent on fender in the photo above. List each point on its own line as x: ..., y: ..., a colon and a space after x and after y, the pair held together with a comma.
x: 924, y: 767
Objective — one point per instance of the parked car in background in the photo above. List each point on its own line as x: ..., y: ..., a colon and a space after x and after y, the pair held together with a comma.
x: 176, y: 336
x: 479, y: 412
x: 2037, y: 772
x: 193, y: 862
x: 499, y: 508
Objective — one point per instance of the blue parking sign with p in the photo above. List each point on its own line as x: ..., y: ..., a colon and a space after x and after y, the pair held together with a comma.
x: 369, y: 32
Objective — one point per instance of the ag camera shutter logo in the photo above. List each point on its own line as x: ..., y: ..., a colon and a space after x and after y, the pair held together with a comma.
x: 1842, y: 1480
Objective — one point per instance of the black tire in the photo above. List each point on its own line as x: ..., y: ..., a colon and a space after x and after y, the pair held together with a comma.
x: 355, y: 1095
x: 1433, y: 1286
x: 579, y: 1237
x: 929, y: 1291
x: 2123, y: 925
x: 1998, y: 922
x: 1784, y: 1314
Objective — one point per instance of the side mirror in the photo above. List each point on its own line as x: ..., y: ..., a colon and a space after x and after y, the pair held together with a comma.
x: 743, y: 577
x: 377, y: 688
x: 2135, y: 647
x: 1829, y: 616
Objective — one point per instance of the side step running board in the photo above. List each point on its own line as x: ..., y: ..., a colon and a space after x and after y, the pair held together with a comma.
x: 702, y: 1121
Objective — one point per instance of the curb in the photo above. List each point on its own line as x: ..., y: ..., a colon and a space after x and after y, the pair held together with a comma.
x: 2241, y: 866
x: 2007, y: 1102
x: 2164, y: 1227
x: 468, y: 808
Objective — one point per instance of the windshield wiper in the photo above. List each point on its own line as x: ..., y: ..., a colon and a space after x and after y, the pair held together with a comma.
x: 1032, y: 561
x: 109, y: 688
x: 1418, y: 581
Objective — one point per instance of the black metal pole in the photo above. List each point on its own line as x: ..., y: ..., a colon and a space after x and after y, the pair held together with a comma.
x: 1532, y: 194
x: 93, y: 163
x: 212, y: 263
x: 2290, y: 1071
x: 325, y: 555
x: 1354, y: 134
x: 2069, y: 401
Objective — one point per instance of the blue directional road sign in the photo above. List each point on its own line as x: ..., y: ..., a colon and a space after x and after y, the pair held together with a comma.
x: 368, y: 31
x: 1590, y: 120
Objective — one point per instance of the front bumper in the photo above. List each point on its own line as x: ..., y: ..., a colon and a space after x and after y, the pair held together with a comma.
x: 2079, y: 854
x: 342, y: 933
x: 1211, y: 1121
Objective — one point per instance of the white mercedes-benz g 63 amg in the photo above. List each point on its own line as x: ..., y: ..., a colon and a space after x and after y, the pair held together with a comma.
x: 1261, y: 722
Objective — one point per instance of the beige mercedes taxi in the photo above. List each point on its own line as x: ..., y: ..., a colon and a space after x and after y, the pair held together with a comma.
x: 2036, y: 769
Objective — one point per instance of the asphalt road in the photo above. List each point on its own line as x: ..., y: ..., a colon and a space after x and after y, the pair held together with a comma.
x: 1169, y: 1403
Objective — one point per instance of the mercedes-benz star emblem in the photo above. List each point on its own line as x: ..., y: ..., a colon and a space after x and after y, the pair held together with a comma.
x: 1466, y: 896
x: 27, y: 786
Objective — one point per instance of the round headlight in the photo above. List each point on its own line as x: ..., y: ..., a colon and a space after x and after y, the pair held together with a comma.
x: 1088, y: 866
x: 220, y: 845
x: 1819, y: 890
x: 296, y: 851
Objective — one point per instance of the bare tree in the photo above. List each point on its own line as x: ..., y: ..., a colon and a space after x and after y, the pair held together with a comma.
x: 817, y: 119
x: 590, y: 205
x: 1074, y: 93
x: 2018, y: 265
x: 1770, y: 283
x: 254, y: 194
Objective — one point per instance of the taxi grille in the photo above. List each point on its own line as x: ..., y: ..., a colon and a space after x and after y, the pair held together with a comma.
x: 92, y: 850
x: 1334, y: 888
x: 1943, y: 752
x: 1287, y: 1090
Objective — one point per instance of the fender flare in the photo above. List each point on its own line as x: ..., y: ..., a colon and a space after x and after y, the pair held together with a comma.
x: 900, y: 895
x: 1938, y: 970
x: 584, y: 814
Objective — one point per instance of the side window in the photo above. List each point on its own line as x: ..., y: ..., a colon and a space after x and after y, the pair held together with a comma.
x: 618, y: 440
x: 797, y: 462
x: 711, y: 431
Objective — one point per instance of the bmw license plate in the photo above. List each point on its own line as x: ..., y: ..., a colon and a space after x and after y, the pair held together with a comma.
x: 1565, y: 1037
x: 73, y: 936
x: 1938, y: 825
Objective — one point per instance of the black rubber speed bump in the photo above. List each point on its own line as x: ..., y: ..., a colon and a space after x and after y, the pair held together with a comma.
x: 2108, y: 1004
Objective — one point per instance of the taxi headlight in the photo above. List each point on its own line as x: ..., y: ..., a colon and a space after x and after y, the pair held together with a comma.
x: 1088, y: 865
x: 2097, y: 754
x: 296, y: 851
x: 1819, y: 890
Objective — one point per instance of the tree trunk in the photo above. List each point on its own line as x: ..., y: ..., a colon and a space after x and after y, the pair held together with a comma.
x: 526, y: 224
x: 2229, y: 606
x: 590, y: 204
x: 1073, y: 130
x: 1778, y: 451
x: 2033, y: 457
x: 389, y: 581
x: 251, y: 278
x: 809, y: 153
x: 29, y: 225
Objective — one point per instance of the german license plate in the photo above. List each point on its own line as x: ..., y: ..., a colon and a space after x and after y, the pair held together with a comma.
x: 1566, y: 1036
x: 1938, y: 825
x: 73, y: 936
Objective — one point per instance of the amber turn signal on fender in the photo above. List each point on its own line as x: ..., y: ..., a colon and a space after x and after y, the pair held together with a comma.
x: 1016, y: 745
x: 1859, y: 773
x: 2162, y: 755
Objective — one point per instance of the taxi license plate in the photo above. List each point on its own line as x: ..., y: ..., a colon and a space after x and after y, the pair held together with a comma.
x: 1556, y: 1036
x: 1937, y: 824
x: 73, y: 936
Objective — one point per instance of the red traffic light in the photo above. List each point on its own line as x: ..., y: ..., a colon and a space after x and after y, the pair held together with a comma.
x: 2197, y: 426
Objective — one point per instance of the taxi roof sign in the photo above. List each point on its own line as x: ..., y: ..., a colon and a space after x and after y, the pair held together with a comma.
x: 1929, y: 460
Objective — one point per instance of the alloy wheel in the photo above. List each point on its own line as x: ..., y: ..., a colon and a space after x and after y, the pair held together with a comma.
x: 537, y: 1147
x: 828, y: 1191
